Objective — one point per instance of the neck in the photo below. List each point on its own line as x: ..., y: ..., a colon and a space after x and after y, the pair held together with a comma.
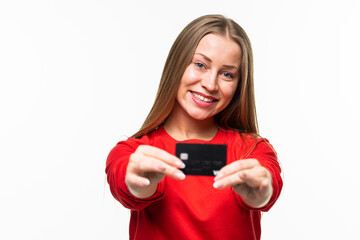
x: 181, y: 126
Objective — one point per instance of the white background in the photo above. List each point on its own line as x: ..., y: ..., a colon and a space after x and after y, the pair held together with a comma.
x: 78, y: 76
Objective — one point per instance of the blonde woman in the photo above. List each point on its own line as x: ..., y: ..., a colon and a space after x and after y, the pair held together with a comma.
x: 206, y: 96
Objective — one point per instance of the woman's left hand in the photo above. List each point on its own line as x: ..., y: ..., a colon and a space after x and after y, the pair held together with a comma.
x: 249, y: 179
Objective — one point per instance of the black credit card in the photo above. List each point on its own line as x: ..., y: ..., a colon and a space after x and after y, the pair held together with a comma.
x: 201, y: 159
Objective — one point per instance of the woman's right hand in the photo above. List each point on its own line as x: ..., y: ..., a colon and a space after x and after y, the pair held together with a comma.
x: 147, y: 166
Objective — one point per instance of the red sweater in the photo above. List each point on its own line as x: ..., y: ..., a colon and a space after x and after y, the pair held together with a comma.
x: 192, y: 208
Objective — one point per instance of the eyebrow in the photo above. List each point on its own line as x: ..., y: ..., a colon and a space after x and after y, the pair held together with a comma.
x: 209, y: 60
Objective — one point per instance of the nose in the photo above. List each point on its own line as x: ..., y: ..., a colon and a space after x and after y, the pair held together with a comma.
x: 210, y: 82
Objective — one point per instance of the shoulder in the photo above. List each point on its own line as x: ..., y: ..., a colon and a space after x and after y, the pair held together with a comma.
x: 146, y: 139
x: 247, y: 143
x: 134, y: 142
x: 123, y: 149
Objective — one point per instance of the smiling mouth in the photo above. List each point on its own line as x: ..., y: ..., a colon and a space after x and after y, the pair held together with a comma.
x: 202, y: 98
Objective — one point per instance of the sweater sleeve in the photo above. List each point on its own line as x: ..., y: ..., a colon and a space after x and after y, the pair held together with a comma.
x: 116, y: 165
x: 267, y: 157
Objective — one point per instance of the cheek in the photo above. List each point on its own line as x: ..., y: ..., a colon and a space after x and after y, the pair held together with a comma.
x: 190, y: 76
x: 229, y: 91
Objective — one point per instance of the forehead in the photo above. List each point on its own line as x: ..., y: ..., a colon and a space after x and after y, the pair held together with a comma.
x: 220, y: 49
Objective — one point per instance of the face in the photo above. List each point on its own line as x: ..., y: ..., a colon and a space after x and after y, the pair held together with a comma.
x: 209, y: 82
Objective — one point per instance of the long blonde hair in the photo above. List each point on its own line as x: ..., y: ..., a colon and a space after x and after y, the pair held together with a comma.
x: 240, y: 114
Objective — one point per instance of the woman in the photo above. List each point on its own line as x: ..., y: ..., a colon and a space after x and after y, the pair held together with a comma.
x: 205, y: 95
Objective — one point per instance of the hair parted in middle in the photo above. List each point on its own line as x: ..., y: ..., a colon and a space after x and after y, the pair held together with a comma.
x: 240, y: 114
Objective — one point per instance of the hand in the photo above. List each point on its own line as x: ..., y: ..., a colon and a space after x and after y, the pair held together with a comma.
x: 147, y: 167
x: 249, y: 179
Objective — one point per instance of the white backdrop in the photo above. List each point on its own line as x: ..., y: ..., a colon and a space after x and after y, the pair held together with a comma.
x: 78, y: 76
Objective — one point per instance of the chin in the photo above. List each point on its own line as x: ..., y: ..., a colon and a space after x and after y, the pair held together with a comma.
x: 201, y: 117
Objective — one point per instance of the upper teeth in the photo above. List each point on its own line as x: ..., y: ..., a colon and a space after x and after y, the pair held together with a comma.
x: 202, y: 98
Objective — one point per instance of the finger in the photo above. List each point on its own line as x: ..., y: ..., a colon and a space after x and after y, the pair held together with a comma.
x: 229, y: 180
x: 162, y: 155
x: 253, y: 177
x: 135, y: 180
x: 144, y: 164
x: 265, y: 184
x: 171, y: 171
x: 263, y: 192
x: 236, y: 167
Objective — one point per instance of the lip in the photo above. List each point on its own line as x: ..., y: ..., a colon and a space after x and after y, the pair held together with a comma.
x: 202, y: 103
x: 210, y: 97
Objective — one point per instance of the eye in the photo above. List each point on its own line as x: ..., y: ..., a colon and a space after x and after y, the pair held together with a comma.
x: 228, y: 75
x: 200, y: 65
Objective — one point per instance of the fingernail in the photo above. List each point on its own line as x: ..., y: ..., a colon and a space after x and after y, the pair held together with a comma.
x: 180, y: 175
x: 180, y: 164
x: 216, y: 185
x: 146, y: 182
